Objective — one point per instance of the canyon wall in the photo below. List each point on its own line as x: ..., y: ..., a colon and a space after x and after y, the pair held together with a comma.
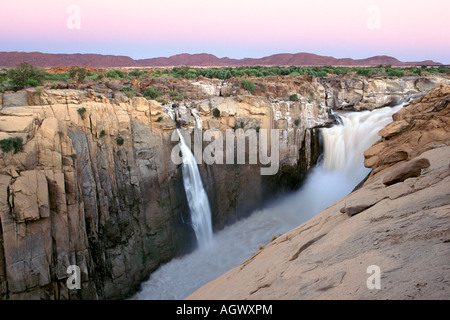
x: 92, y: 183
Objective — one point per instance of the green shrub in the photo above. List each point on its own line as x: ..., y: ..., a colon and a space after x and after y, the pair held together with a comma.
x: 115, y: 74
x: 25, y: 75
x: 296, y: 122
x: 366, y: 72
x: 78, y: 74
x: 293, y: 97
x: 137, y: 73
x: 152, y: 93
x: 102, y: 133
x: 9, y: 144
x: 129, y: 92
x: 120, y: 141
x: 216, y: 112
x: 81, y: 112
x: 159, y: 119
x: 248, y: 85
x: 395, y: 73
x: 175, y: 95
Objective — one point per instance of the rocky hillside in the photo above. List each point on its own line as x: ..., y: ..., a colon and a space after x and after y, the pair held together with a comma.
x: 398, y: 221
x: 86, y: 176
x: 47, y: 60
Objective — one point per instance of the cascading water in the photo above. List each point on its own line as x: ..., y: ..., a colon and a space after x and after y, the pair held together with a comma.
x: 196, y: 196
x: 340, y: 171
x: 195, y: 192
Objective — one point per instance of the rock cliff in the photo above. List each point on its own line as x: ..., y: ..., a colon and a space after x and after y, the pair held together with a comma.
x: 397, y: 227
x: 91, y: 183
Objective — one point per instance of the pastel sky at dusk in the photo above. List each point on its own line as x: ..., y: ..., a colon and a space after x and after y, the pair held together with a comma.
x: 410, y: 30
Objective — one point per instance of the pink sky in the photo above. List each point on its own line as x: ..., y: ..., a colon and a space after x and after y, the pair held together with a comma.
x: 409, y: 30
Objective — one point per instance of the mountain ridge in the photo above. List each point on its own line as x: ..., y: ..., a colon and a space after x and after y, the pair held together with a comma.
x: 48, y: 60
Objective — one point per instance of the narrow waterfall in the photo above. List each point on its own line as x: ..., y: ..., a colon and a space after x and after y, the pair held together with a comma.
x: 340, y: 170
x: 196, y: 196
x: 195, y: 192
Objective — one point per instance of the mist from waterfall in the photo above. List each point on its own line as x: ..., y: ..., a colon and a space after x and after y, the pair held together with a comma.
x: 339, y: 171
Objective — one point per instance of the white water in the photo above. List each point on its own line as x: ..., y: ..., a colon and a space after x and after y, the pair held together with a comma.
x: 196, y: 196
x: 341, y: 170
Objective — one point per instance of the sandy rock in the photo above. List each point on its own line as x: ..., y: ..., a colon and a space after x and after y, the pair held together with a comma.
x: 416, y: 128
x: 29, y: 197
x: 15, y: 99
x: 393, y: 129
x: 407, y: 170
x: 16, y: 124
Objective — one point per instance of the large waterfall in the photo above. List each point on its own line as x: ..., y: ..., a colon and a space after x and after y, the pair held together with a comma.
x: 340, y: 170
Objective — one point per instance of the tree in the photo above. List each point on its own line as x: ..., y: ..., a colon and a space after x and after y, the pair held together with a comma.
x: 78, y: 74
x: 25, y: 75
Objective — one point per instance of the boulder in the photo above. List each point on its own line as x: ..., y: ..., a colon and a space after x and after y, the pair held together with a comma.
x: 406, y: 170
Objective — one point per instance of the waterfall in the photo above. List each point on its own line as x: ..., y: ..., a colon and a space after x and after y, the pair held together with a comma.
x: 344, y: 144
x: 195, y: 192
x: 196, y: 196
x: 340, y: 170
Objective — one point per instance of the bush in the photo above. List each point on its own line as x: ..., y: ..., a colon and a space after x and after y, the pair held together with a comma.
x: 81, y: 112
x: 159, y: 119
x: 129, y: 92
x: 9, y: 144
x: 248, y: 85
x: 120, y: 141
x: 78, y: 74
x: 216, y: 113
x: 114, y: 74
x: 366, y: 72
x: 293, y: 97
x: 395, y: 73
x: 25, y: 75
x: 137, y: 73
x: 152, y: 93
x: 175, y: 95
x: 102, y: 133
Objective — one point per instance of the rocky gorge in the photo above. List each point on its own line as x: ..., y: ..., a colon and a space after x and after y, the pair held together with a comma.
x: 92, y: 183
x: 394, y: 227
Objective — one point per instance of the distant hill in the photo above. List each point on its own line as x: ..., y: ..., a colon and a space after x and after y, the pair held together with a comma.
x: 47, y: 60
